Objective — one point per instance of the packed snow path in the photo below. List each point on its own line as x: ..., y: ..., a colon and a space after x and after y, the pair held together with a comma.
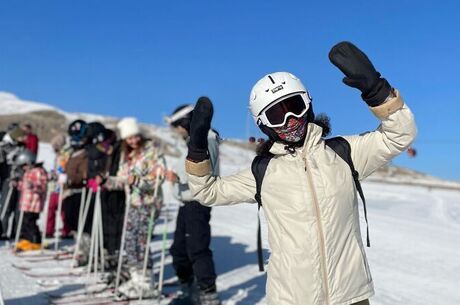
x: 414, y: 254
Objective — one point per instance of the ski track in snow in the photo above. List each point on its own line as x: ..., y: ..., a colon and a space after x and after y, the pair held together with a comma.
x: 414, y: 258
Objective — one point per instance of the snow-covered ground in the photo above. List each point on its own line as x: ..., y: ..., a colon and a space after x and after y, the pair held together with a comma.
x: 414, y: 256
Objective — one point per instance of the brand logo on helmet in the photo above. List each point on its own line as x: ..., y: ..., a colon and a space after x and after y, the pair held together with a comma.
x: 277, y: 88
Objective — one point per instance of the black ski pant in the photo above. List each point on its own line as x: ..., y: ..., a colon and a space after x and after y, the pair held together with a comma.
x: 11, y: 208
x: 192, y: 257
x: 113, y: 212
x: 30, y: 230
x: 71, y: 209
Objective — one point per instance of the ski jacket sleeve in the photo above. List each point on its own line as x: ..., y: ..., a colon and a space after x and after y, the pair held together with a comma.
x: 120, y: 180
x: 213, y: 149
x: 148, y: 174
x: 371, y: 150
x: 181, y: 187
x: 77, y: 169
x: 212, y: 190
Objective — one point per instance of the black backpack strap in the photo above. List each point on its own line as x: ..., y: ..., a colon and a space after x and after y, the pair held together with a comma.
x: 343, y: 149
x: 259, y: 167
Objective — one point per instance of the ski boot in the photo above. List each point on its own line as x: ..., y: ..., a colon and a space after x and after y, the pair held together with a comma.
x: 83, y: 253
x: 138, y: 285
x: 187, y: 294
x: 209, y: 297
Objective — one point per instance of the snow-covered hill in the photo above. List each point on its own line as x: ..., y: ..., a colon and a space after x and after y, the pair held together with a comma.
x: 11, y: 104
x: 13, y: 108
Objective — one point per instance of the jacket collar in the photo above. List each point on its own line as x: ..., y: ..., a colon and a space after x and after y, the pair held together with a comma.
x: 313, y: 137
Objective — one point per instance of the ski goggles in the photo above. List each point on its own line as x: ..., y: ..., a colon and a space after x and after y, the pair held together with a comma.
x: 277, y: 113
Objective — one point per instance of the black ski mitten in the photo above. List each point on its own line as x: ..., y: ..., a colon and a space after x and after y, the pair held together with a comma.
x: 199, y: 129
x: 360, y: 73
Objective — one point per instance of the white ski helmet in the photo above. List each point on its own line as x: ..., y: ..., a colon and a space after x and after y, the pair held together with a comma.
x: 273, y: 88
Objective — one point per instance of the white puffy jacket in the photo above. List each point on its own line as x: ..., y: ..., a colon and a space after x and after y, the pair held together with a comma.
x: 311, y: 205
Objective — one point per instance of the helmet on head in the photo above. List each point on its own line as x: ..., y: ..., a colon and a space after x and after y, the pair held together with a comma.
x: 275, y: 98
x: 181, y: 116
x: 77, y: 131
x: 12, y: 126
x: 25, y: 157
x: 96, y: 132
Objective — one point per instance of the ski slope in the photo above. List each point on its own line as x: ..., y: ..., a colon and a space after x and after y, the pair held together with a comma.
x: 414, y: 256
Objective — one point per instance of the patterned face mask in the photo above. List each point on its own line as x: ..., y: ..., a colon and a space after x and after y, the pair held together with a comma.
x: 293, y: 131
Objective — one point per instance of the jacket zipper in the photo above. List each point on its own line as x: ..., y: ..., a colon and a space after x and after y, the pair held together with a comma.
x: 320, y: 231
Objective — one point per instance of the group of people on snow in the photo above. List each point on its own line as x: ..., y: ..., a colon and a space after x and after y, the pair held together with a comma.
x: 124, y: 168
x: 305, y: 183
x: 20, y: 179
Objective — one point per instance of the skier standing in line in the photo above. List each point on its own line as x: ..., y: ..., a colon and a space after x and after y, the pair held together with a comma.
x: 75, y: 178
x: 58, y: 144
x: 33, y: 194
x: 192, y: 256
x: 11, y: 146
x: 308, y: 194
x: 113, y: 207
x: 142, y: 162
x: 31, y: 142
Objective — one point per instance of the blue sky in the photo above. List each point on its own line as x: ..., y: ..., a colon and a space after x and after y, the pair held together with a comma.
x: 143, y: 58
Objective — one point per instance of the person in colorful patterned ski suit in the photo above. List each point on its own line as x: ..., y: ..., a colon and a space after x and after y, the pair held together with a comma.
x: 139, y: 170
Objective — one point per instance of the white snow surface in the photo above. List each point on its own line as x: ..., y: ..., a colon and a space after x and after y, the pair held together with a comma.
x: 414, y: 256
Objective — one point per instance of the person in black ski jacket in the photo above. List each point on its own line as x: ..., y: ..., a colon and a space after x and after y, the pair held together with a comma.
x: 11, y: 146
x: 192, y: 256
x: 113, y: 209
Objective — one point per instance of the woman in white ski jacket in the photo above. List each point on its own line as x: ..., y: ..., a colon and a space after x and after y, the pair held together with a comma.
x: 308, y: 193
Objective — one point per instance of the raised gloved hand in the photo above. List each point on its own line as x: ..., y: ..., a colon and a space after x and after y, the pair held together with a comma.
x: 199, y: 129
x: 360, y: 73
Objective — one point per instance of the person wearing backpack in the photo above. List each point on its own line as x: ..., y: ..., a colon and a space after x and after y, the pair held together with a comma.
x: 309, y: 193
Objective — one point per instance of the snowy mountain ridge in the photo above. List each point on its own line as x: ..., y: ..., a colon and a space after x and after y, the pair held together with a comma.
x: 15, y: 109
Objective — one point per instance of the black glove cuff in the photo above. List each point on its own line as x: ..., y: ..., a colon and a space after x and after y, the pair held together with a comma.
x: 378, y: 94
x: 197, y: 155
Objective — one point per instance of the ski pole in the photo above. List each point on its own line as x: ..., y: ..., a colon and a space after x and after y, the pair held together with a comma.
x: 95, y: 232
x: 101, y: 231
x: 93, y: 247
x: 150, y: 229
x: 45, y: 222
x: 82, y: 206
x: 163, y: 248
x: 18, y: 229
x: 80, y: 228
x: 58, y: 215
x: 6, y: 203
x: 123, y: 236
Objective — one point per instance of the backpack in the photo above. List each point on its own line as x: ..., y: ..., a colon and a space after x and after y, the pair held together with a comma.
x: 259, y: 166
